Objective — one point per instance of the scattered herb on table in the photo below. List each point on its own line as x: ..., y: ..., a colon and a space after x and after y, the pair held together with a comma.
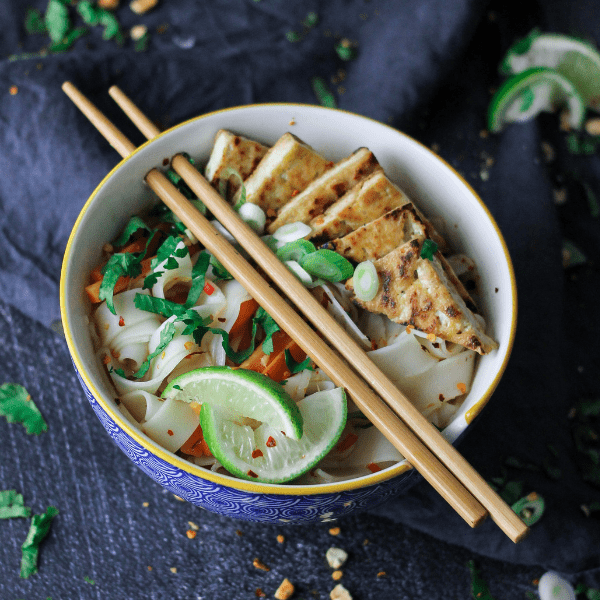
x: 345, y: 49
x: 479, y: 588
x: 89, y: 580
x: 38, y: 530
x: 12, y: 506
x: 18, y: 407
x: 322, y: 92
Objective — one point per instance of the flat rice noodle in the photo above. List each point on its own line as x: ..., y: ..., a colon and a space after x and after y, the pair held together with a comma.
x: 172, y: 424
x: 142, y: 405
x: 181, y: 274
x: 110, y: 326
x: 177, y: 349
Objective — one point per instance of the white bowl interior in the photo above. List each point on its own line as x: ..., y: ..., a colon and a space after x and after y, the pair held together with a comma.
x: 434, y: 187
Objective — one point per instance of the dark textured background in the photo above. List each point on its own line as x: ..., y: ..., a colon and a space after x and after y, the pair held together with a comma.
x: 424, y: 66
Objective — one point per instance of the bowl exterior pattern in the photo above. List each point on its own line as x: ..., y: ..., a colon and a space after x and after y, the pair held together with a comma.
x: 245, y: 505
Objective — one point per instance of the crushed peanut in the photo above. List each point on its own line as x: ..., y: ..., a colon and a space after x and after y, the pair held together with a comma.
x: 173, y: 569
x: 108, y: 4
x: 335, y: 531
x: 381, y: 574
x: 139, y: 7
x: 259, y: 593
x: 336, y: 575
x: 191, y: 534
x: 285, y: 590
x: 280, y: 539
x: 336, y: 557
x: 339, y: 592
x: 145, y: 504
x: 193, y: 526
x: 178, y: 498
x: 137, y: 32
x: 258, y: 564
x: 592, y: 126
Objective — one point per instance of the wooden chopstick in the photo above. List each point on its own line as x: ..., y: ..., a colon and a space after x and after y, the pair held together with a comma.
x: 379, y: 413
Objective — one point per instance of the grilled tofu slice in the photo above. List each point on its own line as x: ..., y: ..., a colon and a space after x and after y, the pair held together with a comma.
x: 327, y: 189
x: 379, y: 237
x: 368, y: 201
x: 284, y: 171
x: 419, y: 292
x: 231, y: 151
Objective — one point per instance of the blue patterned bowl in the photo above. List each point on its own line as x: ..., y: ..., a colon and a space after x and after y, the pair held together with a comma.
x: 438, y: 190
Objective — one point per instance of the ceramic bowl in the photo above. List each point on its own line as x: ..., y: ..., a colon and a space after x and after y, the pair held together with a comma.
x: 435, y: 188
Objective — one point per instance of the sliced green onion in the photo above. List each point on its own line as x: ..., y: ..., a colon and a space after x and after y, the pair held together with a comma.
x: 270, y: 241
x: 295, y: 250
x: 299, y: 272
x: 254, y: 215
x: 292, y: 232
x: 328, y: 265
x: 530, y: 508
x: 428, y: 249
x: 366, y: 281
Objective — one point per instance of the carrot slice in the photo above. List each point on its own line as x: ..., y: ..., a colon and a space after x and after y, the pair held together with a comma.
x: 93, y: 290
x: 247, y: 310
x: 196, y: 445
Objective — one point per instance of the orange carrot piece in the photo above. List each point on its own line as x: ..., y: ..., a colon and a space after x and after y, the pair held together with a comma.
x: 247, y: 310
x: 196, y: 444
x: 93, y: 290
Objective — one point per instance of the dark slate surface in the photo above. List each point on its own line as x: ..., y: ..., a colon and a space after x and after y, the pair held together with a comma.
x: 425, y: 66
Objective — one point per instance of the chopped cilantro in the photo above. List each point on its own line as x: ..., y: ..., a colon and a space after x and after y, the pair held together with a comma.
x: 345, y: 50
x: 293, y: 36
x: 311, y: 19
x: 479, y: 588
x: 89, y: 580
x: 38, y: 530
x: 322, y: 92
x: 18, y: 407
x: 169, y: 248
x: 121, y: 264
x: 57, y: 19
x: 296, y: 367
x: 428, y: 249
x: 159, y: 306
x: 34, y: 21
x: 166, y: 335
x: 112, y: 29
x: 219, y: 271
x: 134, y: 224
x: 270, y: 327
x: 68, y: 40
x: 11, y: 505
x: 198, y: 278
x: 581, y: 144
x: 89, y: 12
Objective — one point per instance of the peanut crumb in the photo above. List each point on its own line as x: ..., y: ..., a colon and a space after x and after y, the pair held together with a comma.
x: 336, y: 557
x: 14, y: 90
x: 335, y: 531
x: 381, y: 574
x: 137, y: 32
x: 191, y: 534
x: 178, y: 498
x: 139, y: 7
x: 339, y: 592
x: 258, y: 564
x: 365, y: 542
x: 239, y: 532
x: 108, y: 4
x: 285, y: 590
x: 280, y: 539
x: 592, y: 126
x: 337, y: 575
x: 173, y: 569
x: 292, y: 122
x: 149, y: 568
x: 145, y: 504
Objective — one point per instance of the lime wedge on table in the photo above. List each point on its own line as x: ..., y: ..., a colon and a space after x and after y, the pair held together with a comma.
x: 525, y: 95
x: 240, y: 392
x: 576, y: 60
x: 265, y: 454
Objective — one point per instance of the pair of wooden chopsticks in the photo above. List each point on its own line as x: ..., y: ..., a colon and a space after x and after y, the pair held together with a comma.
x: 417, y: 439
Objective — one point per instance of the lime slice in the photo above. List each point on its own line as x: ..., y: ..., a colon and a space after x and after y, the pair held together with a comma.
x: 265, y: 454
x: 239, y: 392
x: 525, y: 95
x: 578, y: 61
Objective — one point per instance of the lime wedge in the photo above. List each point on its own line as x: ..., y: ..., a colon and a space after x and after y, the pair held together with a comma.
x: 265, y: 454
x: 523, y: 96
x: 576, y: 60
x: 240, y: 392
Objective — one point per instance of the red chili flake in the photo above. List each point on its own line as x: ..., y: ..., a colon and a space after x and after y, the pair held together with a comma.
x: 170, y: 432
x: 209, y: 288
x: 165, y: 162
x: 121, y: 322
x: 441, y: 397
x: 271, y: 443
x: 106, y: 359
x: 257, y: 453
x: 295, y: 193
x: 373, y: 467
x: 259, y: 593
x: 462, y: 388
x: 347, y: 442
x: 14, y: 90
x: 252, y: 474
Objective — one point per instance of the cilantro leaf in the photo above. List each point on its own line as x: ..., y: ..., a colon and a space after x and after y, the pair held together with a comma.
x: 112, y: 29
x: 168, y: 249
x: 38, y: 530
x: 270, y: 327
x: 159, y: 306
x: 479, y: 588
x: 89, y: 12
x: 57, y: 20
x: 68, y: 40
x: 18, y: 407
x: 428, y: 249
x: 296, y: 367
x: 11, y: 505
x: 34, y: 21
x: 134, y: 224
x: 322, y: 92
x: 151, y: 279
x: 198, y: 278
x: 120, y: 264
x: 219, y: 271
